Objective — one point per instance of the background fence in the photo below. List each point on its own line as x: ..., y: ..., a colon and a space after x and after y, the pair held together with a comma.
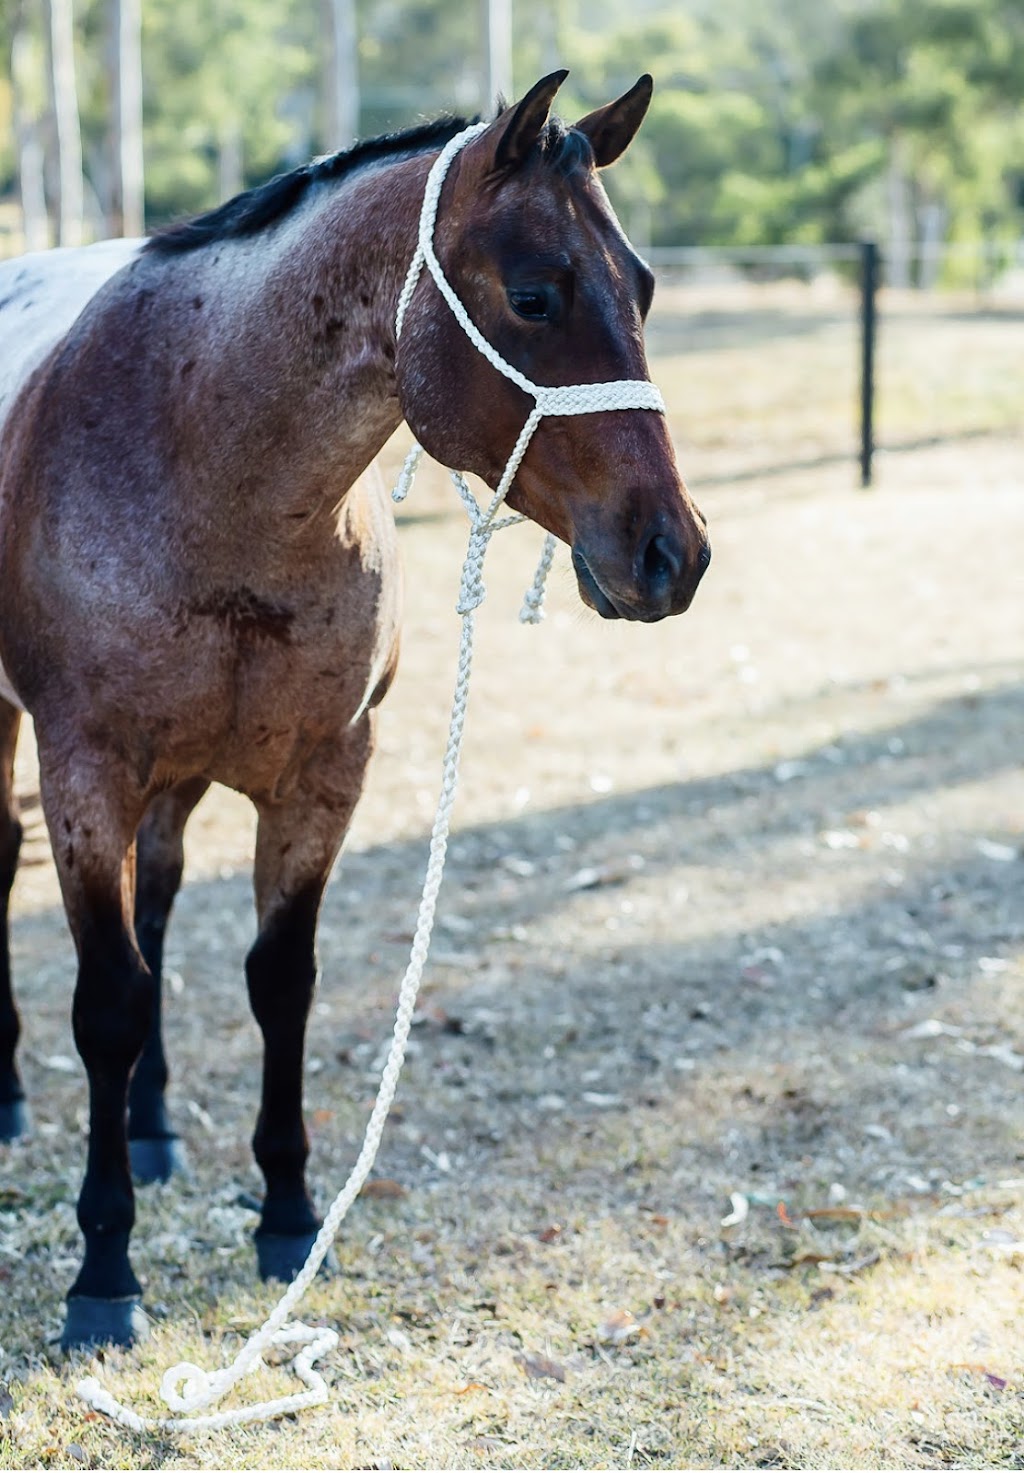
x: 760, y: 353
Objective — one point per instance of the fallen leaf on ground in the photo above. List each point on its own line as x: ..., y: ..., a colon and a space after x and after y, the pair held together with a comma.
x: 858, y: 1265
x: 999, y: 1382
x: 550, y: 1234
x: 591, y: 877
x: 932, y: 1028
x: 383, y: 1187
x: 541, y: 1365
x: 1001, y: 853
x: 470, y: 1386
x: 620, y: 1325
x: 740, y: 1210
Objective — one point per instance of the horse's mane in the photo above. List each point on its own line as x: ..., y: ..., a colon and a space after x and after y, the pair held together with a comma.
x: 252, y: 211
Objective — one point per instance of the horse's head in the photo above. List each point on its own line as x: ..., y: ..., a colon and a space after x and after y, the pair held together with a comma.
x: 527, y: 238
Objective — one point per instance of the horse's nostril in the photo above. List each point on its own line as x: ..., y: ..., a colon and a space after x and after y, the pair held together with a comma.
x: 662, y: 560
x: 704, y: 556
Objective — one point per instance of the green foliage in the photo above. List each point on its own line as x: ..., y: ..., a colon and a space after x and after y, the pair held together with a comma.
x: 772, y: 120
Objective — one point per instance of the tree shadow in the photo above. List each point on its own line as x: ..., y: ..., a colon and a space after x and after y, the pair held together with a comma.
x: 588, y: 1041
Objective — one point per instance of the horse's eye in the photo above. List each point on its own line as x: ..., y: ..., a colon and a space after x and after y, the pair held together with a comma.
x: 534, y: 303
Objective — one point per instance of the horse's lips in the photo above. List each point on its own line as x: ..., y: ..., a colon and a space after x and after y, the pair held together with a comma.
x: 591, y: 591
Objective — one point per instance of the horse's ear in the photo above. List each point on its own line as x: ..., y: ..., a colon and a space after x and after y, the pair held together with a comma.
x: 525, y: 121
x: 611, y: 129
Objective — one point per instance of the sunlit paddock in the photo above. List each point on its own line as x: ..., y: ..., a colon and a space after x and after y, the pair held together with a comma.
x: 731, y: 930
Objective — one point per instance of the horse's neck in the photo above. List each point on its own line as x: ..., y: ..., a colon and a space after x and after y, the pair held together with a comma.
x: 288, y: 387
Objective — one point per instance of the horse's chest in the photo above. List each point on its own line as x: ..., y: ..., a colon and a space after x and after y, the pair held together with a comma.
x: 273, y: 686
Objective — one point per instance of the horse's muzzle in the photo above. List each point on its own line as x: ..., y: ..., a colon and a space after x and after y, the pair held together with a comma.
x: 663, y: 581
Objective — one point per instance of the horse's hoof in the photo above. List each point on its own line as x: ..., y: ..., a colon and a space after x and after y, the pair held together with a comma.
x: 282, y: 1255
x: 157, y: 1158
x: 13, y: 1119
x: 92, y: 1322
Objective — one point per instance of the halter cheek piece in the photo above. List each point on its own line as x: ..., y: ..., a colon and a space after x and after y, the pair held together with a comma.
x: 628, y: 393
x: 186, y: 1388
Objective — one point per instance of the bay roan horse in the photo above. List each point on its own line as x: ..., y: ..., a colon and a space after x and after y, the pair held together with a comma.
x: 197, y: 583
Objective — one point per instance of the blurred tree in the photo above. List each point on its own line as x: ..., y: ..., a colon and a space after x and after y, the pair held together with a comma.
x: 126, y: 213
x: 25, y: 107
x: 341, y: 73
x: 772, y: 121
x: 60, y: 31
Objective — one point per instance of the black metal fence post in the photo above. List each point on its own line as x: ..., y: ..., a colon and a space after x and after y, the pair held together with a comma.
x: 868, y: 320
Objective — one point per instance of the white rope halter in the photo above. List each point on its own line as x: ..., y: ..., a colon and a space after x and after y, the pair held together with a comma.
x: 187, y: 1388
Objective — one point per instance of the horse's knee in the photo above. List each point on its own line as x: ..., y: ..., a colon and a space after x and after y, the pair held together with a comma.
x: 280, y: 969
x: 113, y: 1010
x: 11, y: 835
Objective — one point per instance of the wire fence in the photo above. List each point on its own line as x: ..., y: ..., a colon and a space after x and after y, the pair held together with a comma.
x: 760, y: 352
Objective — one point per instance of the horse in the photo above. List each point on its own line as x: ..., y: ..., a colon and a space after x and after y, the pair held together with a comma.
x: 199, y: 579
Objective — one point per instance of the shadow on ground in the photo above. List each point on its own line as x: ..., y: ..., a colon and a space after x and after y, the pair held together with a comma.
x: 588, y: 1040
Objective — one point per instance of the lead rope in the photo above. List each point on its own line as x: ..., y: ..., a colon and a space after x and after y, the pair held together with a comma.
x: 187, y: 1388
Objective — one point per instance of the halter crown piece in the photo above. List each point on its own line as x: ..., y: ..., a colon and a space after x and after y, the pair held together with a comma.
x: 187, y: 1388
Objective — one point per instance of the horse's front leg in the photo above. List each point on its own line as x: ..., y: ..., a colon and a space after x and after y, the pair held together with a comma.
x: 296, y: 845
x: 93, y: 806
x: 13, y: 1115
x: 154, y: 1149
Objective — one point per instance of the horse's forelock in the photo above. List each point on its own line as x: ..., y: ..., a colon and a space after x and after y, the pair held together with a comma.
x: 560, y: 146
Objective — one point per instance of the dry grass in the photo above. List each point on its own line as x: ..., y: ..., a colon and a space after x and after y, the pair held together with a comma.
x: 802, y: 803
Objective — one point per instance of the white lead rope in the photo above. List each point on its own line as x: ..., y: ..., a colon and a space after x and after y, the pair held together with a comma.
x: 186, y: 1388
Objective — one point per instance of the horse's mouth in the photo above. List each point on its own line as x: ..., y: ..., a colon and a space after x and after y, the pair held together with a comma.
x: 595, y: 597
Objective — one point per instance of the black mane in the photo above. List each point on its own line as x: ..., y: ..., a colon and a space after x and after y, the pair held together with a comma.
x: 561, y: 147
x: 250, y: 212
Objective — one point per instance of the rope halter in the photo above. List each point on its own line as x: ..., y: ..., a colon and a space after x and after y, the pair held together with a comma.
x: 187, y: 1389
x: 627, y: 393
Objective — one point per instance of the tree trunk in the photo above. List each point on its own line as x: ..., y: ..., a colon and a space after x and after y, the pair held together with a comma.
x: 341, y: 74
x: 28, y: 142
x: 496, y: 26
x: 900, y: 245
x: 61, y: 35
x: 127, y: 212
x: 230, y: 163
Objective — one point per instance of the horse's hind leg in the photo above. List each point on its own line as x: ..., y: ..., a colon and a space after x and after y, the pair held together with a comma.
x: 296, y: 845
x: 93, y: 808
x: 13, y: 1116
x: 154, y: 1149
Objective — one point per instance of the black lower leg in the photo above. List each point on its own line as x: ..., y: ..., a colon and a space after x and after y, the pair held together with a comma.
x: 281, y: 973
x: 147, y: 1108
x: 156, y: 1152
x: 12, y: 1096
x: 112, y: 1013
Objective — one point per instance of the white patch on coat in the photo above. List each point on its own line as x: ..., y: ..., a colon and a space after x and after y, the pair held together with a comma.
x: 41, y: 295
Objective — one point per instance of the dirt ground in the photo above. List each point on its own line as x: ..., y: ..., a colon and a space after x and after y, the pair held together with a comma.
x: 709, y: 1149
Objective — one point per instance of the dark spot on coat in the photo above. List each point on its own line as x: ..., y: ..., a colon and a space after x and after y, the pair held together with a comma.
x: 197, y: 303
x: 246, y: 615
x: 187, y: 366
x: 6, y: 302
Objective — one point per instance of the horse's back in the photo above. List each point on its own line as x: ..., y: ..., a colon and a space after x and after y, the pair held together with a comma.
x: 41, y: 295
